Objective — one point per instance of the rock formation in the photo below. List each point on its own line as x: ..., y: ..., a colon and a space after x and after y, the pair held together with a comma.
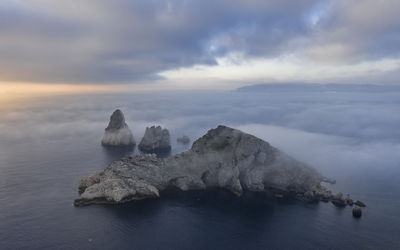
x: 155, y: 139
x: 184, y: 139
x: 223, y: 158
x: 117, y: 132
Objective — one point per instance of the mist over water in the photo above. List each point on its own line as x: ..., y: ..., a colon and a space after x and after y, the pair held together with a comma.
x: 48, y: 144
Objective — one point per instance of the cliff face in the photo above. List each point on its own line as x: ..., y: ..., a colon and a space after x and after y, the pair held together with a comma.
x: 117, y: 132
x: 223, y: 158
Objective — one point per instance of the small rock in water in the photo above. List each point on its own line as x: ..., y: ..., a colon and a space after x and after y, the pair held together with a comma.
x: 184, y: 139
x: 357, y: 212
x: 360, y: 204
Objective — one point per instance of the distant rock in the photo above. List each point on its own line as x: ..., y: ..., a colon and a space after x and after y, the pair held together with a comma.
x: 117, y: 132
x: 317, y: 87
x: 223, y: 158
x: 357, y: 212
x: 155, y: 139
x: 184, y: 139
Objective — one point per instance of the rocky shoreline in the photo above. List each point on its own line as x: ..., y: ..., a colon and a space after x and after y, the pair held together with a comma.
x: 223, y: 158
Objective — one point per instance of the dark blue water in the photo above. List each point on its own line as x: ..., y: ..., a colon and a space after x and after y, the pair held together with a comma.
x: 48, y: 144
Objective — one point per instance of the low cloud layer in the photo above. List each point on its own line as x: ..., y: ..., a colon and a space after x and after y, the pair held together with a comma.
x: 349, y: 129
x: 130, y: 41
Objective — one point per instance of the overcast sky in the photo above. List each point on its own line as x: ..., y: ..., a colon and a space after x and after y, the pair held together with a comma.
x: 195, y: 44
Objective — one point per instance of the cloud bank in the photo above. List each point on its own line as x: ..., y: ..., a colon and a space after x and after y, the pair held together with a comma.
x: 349, y: 136
x: 128, y: 41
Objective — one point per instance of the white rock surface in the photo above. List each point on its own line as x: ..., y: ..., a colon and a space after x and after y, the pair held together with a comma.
x: 155, y: 139
x: 223, y: 158
x: 117, y: 132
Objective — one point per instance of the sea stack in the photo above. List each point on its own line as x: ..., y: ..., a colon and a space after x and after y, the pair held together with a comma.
x: 184, y: 139
x: 117, y: 132
x: 223, y: 158
x: 155, y: 139
x: 357, y: 212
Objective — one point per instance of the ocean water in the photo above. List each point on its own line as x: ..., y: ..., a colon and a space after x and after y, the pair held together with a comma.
x: 48, y: 143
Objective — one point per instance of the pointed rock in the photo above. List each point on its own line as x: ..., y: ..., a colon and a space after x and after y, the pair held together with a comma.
x: 117, y: 132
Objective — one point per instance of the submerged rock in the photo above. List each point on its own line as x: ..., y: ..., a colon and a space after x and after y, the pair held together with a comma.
x: 155, y: 139
x: 117, y: 132
x: 184, y: 139
x: 223, y: 158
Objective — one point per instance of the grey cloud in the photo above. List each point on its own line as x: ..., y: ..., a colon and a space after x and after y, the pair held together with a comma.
x: 353, y: 31
x: 121, y: 41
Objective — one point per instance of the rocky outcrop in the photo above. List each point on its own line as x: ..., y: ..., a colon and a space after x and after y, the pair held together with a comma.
x: 223, y: 158
x: 155, y: 139
x: 184, y: 139
x: 117, y: 132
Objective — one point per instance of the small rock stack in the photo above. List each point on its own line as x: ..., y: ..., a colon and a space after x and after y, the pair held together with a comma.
x: 117, y: 132
x: 155, y: 139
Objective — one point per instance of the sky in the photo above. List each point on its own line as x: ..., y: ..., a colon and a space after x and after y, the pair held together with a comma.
x: 99, y: 45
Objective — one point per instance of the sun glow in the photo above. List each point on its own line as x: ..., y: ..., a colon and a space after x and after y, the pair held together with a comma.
x: 43, y: 88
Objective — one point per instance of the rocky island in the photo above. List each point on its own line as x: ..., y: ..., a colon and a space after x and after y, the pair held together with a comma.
x: 155, y: 139
x: 223, y: 158
x: 117, y: 132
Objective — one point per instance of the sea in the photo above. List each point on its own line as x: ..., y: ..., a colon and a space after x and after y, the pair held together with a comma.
x: 48, y: 143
